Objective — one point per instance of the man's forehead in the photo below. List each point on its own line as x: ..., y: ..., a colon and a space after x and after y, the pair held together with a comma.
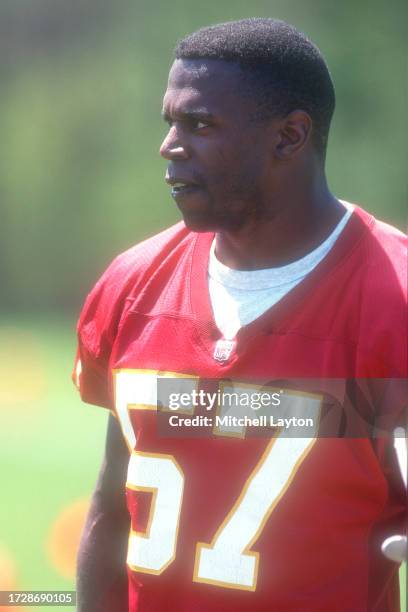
x: 185, y: 99
x: 210, y: 84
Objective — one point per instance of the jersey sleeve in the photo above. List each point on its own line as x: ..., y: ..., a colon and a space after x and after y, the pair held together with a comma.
x: 97, y: 327
x: 106, y: 306
x: 382, y: 347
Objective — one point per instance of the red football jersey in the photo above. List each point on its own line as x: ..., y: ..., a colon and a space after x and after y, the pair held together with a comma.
x: 232, y: 521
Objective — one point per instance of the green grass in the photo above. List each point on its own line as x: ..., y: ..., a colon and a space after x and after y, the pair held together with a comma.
x: 50, y: 446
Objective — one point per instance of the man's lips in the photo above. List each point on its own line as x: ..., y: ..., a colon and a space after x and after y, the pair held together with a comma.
x: 181, y: 185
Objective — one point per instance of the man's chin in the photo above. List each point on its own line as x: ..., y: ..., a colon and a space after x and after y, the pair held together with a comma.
x: 198, y: 221
x: 206, y: 219
x: 199, y: 225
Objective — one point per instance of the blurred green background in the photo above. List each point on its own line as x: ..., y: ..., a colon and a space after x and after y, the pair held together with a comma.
x: 81, y: 180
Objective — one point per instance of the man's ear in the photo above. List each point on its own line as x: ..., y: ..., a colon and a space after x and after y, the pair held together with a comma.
x: 293, y: 134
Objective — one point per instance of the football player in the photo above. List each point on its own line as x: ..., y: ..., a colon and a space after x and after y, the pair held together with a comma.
x: 270, y: 283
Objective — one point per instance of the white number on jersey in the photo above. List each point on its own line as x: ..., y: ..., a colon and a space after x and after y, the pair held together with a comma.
x: 228, y: 560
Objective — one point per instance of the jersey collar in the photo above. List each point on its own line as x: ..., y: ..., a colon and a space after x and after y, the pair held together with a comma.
x: 275, y: 317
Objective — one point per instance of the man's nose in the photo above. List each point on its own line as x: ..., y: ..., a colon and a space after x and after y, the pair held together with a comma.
x: 172, y: 146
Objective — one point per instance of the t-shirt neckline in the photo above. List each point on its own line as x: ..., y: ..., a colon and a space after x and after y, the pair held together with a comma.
x: 275, y: 317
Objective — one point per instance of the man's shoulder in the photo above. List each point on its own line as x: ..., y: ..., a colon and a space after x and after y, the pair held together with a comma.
x: 151, y: 251
x: 383, y: 255
x: 130, y: 269
x: 127, y: 276
x: 390, y: 241
x: 380, y: 299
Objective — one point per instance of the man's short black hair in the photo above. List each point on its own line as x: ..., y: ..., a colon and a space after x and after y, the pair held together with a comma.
x: 283, y: 69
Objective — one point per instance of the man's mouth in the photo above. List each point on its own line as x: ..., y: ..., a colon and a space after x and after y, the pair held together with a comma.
x: 180, y: 187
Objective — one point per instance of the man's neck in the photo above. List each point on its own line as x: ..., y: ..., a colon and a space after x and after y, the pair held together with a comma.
x: 299, y: 223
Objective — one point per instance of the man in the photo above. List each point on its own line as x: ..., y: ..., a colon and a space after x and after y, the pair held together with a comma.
x: 270, y: 283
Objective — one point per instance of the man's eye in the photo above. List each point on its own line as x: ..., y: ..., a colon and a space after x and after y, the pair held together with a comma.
x: 199, y: 125
x: 190, y: 123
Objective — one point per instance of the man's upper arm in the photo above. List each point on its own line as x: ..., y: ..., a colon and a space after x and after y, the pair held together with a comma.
x: 114, y: 468
x: 102, y: 576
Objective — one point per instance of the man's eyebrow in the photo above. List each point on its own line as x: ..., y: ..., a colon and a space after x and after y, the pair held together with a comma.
x: 194, y: 113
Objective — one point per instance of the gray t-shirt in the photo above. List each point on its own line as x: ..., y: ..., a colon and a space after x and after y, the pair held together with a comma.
x: 239, y: 297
